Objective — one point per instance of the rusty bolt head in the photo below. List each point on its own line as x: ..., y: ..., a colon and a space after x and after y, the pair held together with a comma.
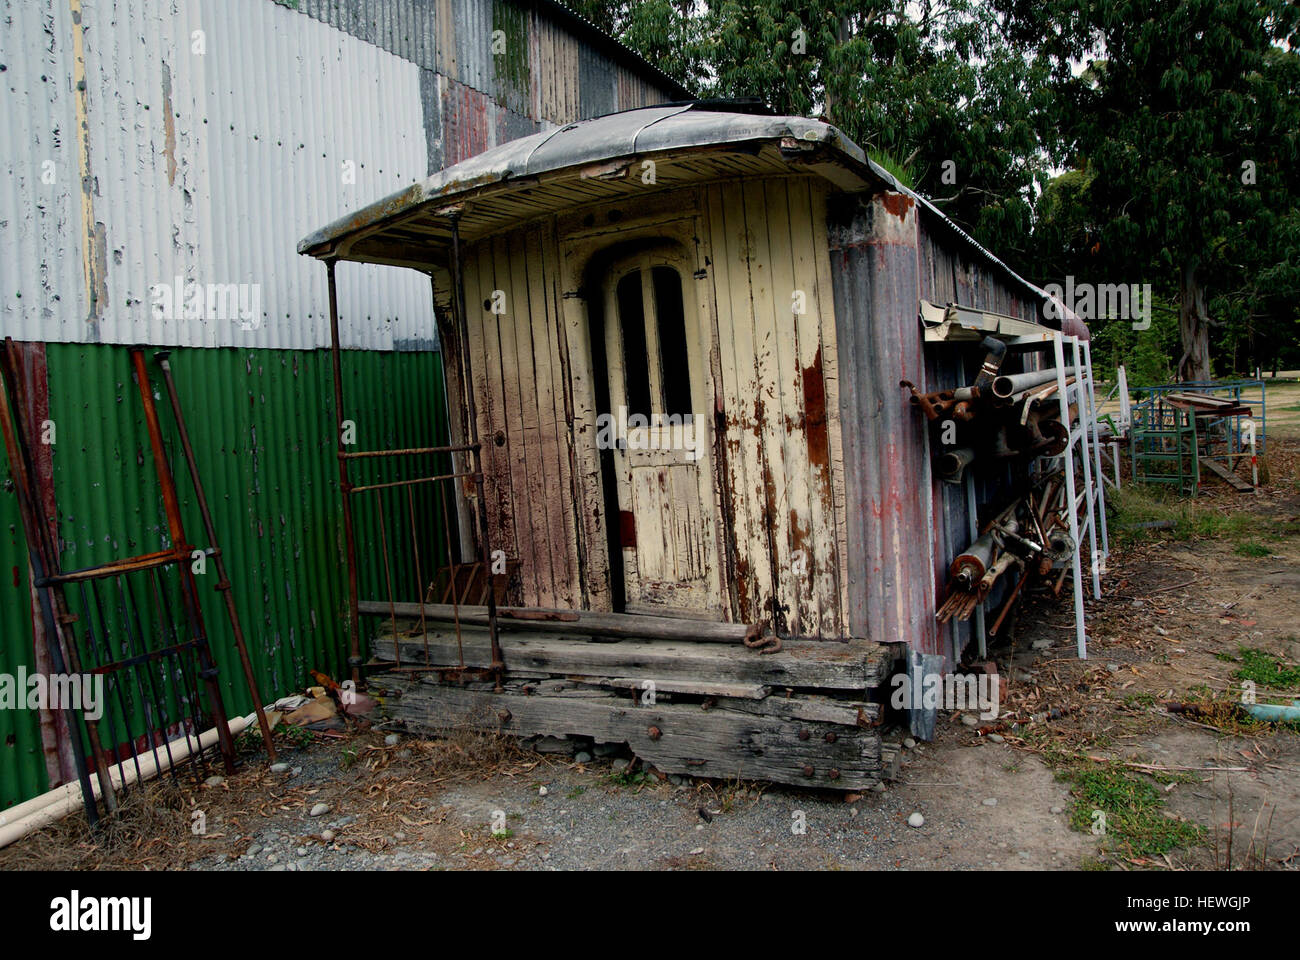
x: 808, y: 771
x: 504, y: 716
x: 803, y: 734
x: 830, y: 737
x: 655, y: 733
x: 834, y: 774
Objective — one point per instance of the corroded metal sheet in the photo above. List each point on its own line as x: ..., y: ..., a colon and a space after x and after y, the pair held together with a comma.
x: 874, y: 270
x: 201, y: 153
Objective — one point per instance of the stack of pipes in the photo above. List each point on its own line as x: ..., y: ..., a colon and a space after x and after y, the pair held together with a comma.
x: 1031, y: 535
x: 999, y: 415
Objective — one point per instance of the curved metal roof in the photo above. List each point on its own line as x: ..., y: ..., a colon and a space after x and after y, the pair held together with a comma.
x: 648, y: 130
x: 589, y: 161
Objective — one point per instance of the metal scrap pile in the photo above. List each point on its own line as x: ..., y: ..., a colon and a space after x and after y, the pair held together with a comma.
x: 998, y: 418
x: 1031, y: 535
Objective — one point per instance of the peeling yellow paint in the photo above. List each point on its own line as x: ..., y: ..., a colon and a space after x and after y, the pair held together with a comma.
x: 92, y: 252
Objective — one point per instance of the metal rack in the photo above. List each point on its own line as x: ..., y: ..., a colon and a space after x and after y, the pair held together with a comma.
x: 1082, y: 454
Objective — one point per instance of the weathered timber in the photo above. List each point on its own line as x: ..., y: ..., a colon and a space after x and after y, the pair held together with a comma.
x: 702, y: 688
x: 675, y: 738
x: 811, y: 708
x: 808, y: 664
x: 557, y: 621
x: 1222, y: 472
x: 891, y: 758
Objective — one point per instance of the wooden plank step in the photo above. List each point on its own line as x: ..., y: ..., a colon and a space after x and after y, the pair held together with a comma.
x: 562, y: 621
x: 1222, y: 472
x: 858, y: 665
x: 675, y: 738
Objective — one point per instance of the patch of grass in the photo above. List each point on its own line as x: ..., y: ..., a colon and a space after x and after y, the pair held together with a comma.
x: 575, y: 793
x: 299, y: 737
x: 1129, y: 807
x: 1136, y: 509
x: 1252, y: 548
x: 1140, y: 700
x: 1267, y: 670
x: 1283, y: 531
x: 1094, y: 865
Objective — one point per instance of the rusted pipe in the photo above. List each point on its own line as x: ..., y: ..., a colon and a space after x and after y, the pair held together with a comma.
x: 345, y: 487
x: 189, y: 590
x: 223, y: 584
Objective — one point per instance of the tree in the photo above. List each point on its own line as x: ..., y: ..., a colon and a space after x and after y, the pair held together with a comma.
x: 932, y: 90
x: 1187, y: 131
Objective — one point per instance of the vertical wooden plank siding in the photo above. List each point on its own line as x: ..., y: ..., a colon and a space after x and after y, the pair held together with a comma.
x: 520, y: 374
x: 773, y: 381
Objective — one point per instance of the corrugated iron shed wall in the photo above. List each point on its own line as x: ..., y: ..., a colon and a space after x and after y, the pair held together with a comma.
x: 209, y: 135
x: 260, y: 422
x: 874, y: 278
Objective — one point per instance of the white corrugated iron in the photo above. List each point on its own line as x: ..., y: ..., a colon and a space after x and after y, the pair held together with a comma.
x: 210, y: 135
x: 217, y: 132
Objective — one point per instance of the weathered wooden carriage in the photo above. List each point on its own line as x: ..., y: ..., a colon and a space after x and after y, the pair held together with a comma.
x: 674, y: 339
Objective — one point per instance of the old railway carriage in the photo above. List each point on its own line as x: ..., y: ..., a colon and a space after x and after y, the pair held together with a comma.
x: 755, y: 282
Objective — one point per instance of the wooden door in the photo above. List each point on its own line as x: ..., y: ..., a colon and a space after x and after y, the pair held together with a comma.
x: 658, y: 429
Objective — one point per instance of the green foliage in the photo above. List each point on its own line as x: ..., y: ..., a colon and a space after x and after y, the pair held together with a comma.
x: 1133, y: 809
x: 1145, y: 354
x: 1252, y: 548
x: 1267, y: 670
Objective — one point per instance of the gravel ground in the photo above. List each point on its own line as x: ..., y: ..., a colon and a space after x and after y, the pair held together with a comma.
x: 984, y: 806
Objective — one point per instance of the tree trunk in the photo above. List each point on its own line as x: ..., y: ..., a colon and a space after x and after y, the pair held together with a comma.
x: 1193, y: 327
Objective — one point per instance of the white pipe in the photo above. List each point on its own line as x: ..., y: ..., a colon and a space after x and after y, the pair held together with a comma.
x: 33, y: 814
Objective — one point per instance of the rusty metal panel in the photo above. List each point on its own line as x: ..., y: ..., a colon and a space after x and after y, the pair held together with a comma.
x: 206, y: 151
x: 467, y: 126
x: 874, y: 269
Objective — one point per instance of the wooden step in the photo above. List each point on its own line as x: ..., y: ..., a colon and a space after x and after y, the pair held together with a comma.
x: 854, y: 666
x: 715, y: 738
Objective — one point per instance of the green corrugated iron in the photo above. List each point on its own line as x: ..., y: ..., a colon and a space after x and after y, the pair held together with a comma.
x: 261, y: 423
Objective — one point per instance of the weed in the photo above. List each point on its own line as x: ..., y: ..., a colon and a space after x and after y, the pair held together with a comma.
x: 1267, y: 670
x: 1252, y: 548
x: 1132, y: 810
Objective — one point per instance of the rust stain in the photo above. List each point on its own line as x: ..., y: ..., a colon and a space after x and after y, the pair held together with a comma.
x: 898, y: 204
x: 169, y: 125
x: 627, y: 529
x: 814, y: 405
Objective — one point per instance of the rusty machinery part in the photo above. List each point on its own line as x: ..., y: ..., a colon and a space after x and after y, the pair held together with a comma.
x: 757, y: 638
x: 943, y: 402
